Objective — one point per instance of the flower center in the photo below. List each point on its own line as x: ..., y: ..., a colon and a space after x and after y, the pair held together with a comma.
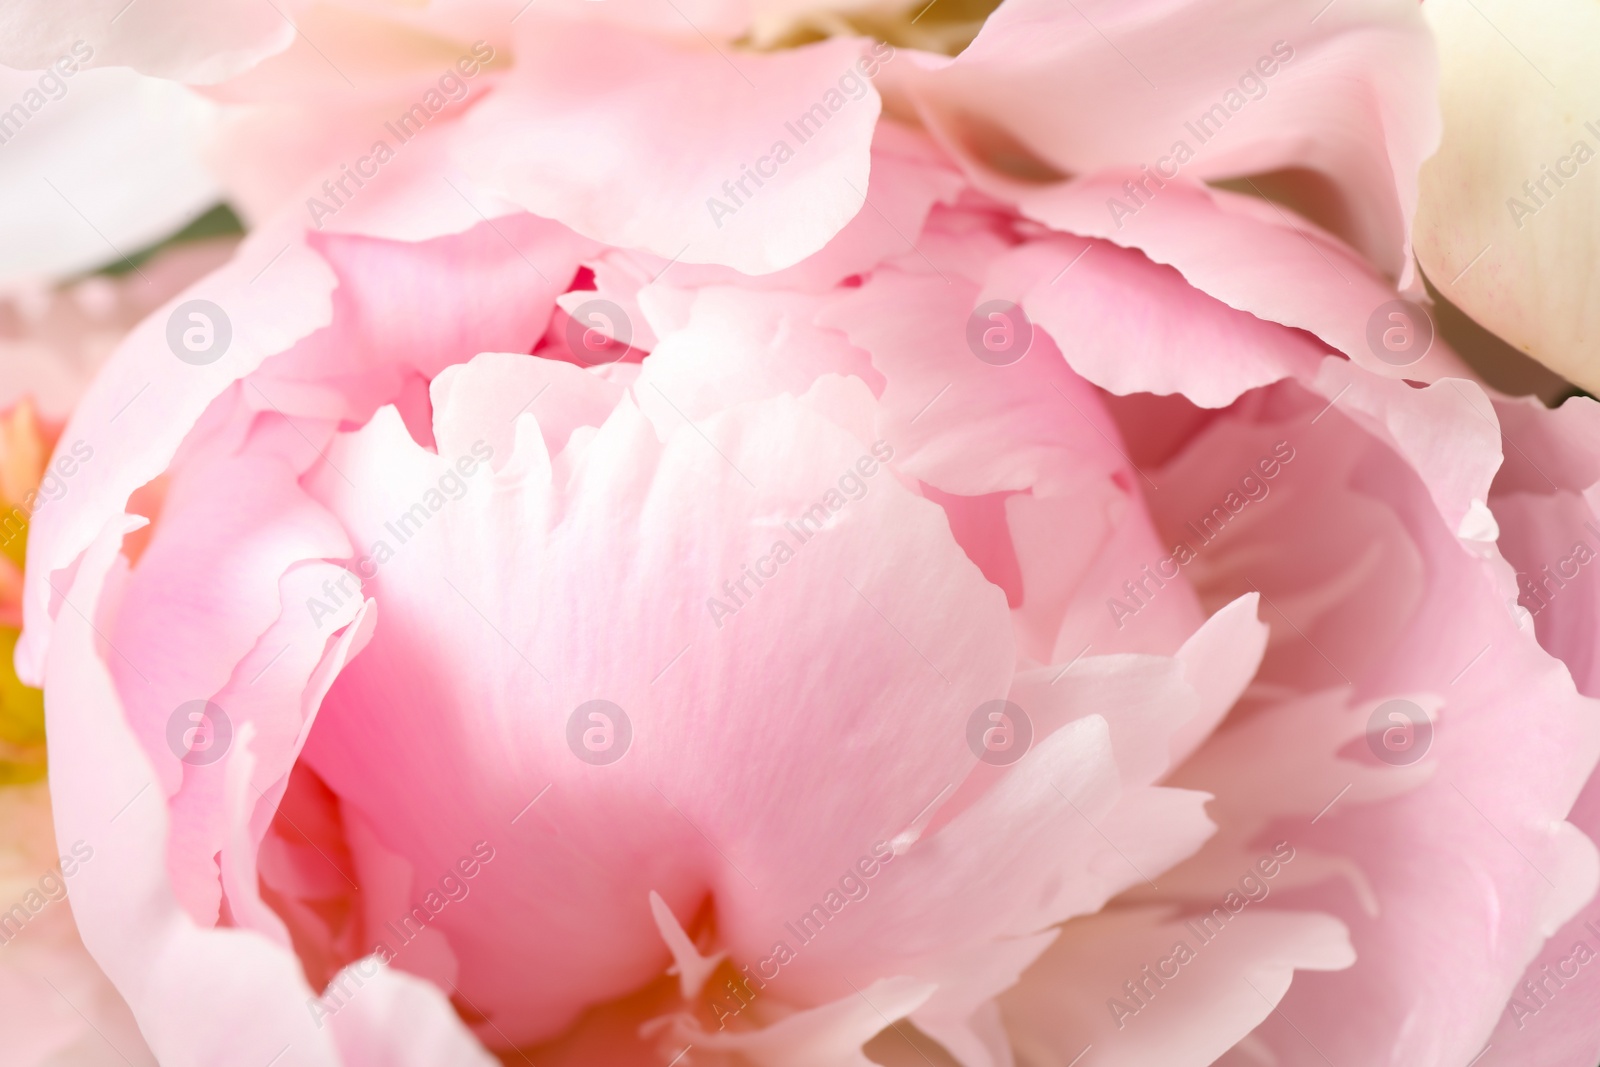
x: 22, y: 754
x: 23, y: 450
x: 944, y: 26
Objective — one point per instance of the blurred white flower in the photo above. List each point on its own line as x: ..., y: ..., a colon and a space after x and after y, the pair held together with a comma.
x: 1508, y: 227
x: 95, y: 165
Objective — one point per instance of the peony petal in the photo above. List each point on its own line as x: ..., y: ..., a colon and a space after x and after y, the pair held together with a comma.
x: 1088, y: 575
x: 1067, y: 1005
x: 1219, y: 661
x: 396, y: 1019
x: 1437, y: 629
x: 1250, y: 255
x: 559, y: 105
x: 832, y: 1033
x: 1546, y: 506
x: 737, y: 346
x: 1545, y: 1022
x: 664, y: 796
x: 963, y: 906
x: 190, y: 635
x: 275, y: 692
x: 1132, y: 326
x: 405, y: 311
x: 488, y: 393
x: 1447, y: 432
x: 959, y: 423
x: 909, y: 178
x: 99, y: 773
x: 56, y: 1006
x: 184, y: 40
x: 256, y: 988
x: 1250, y: 77
x: 273, y: 294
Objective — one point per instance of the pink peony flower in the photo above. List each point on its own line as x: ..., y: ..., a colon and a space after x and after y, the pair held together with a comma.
x: 1003, y: 591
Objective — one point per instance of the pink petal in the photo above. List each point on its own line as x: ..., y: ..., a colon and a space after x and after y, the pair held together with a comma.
x: 550, y: 525
x: 909, y: 177
x: 1415, y: 613
x: 1446, y: 432
x: 241, y: 519
x: 395, y: 1020
x: 1362, y: 77
x: 971, y: 428
x: 832, y: 1033
x: 961, y: 424
x: 1132, y: 326
x: 255, y: 988
x: 405, y: 311
x: 1547, y: 511
x: 145, y: 401
x: 1064, y: 1005
x: 536, y: 141
x: 1249, y: 254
